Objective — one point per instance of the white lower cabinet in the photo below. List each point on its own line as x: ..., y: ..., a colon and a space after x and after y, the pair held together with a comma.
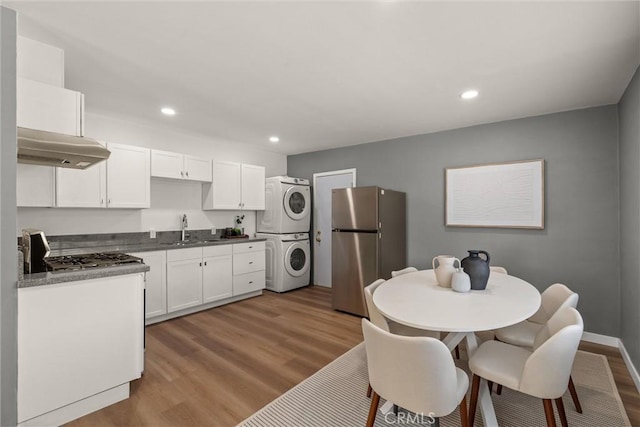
x: 248, y: 267
x: 77, y: 343
x: 217, y: 273
x: 184, y: 278
x: 156, y: 283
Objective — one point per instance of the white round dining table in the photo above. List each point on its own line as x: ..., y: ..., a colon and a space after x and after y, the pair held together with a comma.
x: 416, y: 299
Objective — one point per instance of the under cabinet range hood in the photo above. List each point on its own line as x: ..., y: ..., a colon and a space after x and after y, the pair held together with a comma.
x: 43, y: 148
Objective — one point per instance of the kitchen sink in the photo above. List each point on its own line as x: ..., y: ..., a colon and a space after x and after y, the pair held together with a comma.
x: 185, y: 243
x: 191, y: 242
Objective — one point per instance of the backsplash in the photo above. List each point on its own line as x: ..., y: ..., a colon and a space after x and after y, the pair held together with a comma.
x: 83, y: 243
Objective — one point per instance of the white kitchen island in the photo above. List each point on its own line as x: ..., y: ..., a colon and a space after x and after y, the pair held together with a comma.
x: 80, y: 343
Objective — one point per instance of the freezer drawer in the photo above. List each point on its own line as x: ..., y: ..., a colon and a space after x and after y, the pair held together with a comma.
x: 354, y: 266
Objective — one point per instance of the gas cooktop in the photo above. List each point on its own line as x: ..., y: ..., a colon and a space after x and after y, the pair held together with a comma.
x: 86, y: 261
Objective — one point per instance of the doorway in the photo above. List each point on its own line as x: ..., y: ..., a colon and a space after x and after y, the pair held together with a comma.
x: 323, y: 183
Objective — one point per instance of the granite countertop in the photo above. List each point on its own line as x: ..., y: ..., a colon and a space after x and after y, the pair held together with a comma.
x: 156, y: 246
x: 49, y: 278
x: 125, y: 242
x: 136, y: 242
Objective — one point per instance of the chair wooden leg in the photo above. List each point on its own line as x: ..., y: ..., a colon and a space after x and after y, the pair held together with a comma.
x: 574, y: 396
x: 373, y: 409
x: 369, y: 390
x: 563, y: 415
x: 464, y: 416
x: 475, y: 388
x: 457, y: 352
x: 499, y: 388
x: 548, y: 412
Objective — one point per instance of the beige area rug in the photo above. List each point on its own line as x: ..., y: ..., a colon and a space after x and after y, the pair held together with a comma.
x: 335, y: 396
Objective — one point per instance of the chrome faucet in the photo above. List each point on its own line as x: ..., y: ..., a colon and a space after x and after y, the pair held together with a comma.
x: 185, y: 224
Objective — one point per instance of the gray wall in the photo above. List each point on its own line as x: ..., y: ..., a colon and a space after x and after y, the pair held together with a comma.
x: 629, y: 112
x: 8, y: 257
x: 579, y: 245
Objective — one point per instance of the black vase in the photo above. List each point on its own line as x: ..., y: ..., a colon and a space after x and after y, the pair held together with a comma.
x: 477, y: 269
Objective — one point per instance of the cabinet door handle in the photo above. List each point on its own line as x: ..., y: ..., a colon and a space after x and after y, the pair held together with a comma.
x: 109, y: 201
x: 101, y: 202
x: 250, y: 282
x: 205, y: 263
x: 187, y: 173
x: 200, y: 264
x: 250, y: 262
x: 182, y: 174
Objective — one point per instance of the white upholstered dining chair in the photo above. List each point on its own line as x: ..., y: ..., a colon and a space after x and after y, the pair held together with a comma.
x: 416, y: 373
x: 406, y: 270
x: 523, y: 334
x: 542, y: 371
x: 390, y: 326
x: 498, y: 269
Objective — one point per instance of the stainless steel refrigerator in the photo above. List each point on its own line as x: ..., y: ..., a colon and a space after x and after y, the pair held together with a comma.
x: 368, y: 241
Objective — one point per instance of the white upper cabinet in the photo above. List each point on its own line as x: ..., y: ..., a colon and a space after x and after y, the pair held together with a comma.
x: 50, y: 108
x: 82, y: 188
x: 224, y: 192
x: 165, y: 164
x: 235, y: 186
x: 120, y: 182
x: 197, y: 169
x: 253, y: 187
x: 128, y: 176
x: 35, y: 186
x: 41, y: 62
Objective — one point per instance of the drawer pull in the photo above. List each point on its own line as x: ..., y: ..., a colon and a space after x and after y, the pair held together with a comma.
x: 250, y: 247
x: 251, y: 282
x: 250, y: 262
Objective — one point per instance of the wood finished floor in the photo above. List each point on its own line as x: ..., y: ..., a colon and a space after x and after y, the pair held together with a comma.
x: 217, y: 367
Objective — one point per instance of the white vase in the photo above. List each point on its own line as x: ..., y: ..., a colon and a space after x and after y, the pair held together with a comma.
x: 460, y: 281
x: 445, y: 269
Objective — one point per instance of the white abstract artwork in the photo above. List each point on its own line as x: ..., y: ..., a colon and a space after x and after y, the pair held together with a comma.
x: 504, y: 195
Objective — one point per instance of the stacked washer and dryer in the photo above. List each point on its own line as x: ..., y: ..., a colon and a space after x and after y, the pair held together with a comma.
x: 285, y: 223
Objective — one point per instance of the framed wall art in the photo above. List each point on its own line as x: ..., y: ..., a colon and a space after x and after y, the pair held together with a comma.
x: 500, y: 195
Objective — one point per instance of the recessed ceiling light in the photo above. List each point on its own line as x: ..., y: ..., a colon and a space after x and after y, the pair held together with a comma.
x: 168, y: 111
x: 274, y: 139
x: 470, y: 94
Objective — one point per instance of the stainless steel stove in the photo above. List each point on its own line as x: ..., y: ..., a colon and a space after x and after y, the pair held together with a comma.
x: 85, y: 261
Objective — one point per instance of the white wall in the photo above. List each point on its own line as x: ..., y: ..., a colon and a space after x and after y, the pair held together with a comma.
x: 169, y: 199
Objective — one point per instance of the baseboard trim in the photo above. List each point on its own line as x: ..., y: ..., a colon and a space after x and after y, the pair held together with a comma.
x: 191, y: 310
x: 80, y: 408
x: 617, y: 343
x: 601, y: 339
x: 630, y: 366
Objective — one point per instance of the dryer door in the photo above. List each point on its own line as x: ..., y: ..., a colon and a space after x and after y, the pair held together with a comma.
x: 296, y: 258
x: 297, y: 202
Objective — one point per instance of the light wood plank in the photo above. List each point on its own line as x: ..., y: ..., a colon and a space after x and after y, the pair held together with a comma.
x: 219, y: 366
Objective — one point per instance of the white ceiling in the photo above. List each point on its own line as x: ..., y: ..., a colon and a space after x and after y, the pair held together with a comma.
x: 330, y: 74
